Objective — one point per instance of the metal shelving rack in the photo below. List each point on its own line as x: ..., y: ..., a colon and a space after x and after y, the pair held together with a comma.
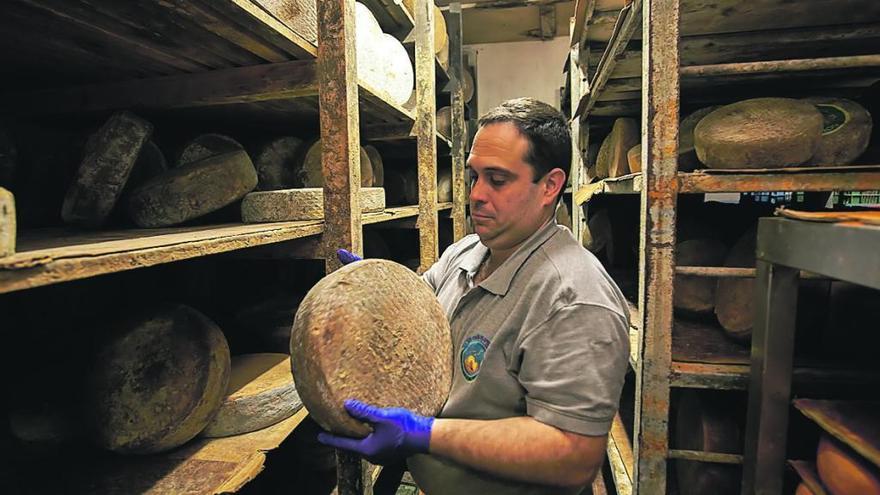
x: 713, y: 53
x: 229, y: 59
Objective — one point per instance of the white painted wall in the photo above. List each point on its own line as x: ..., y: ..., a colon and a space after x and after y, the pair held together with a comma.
x: 522, y: 68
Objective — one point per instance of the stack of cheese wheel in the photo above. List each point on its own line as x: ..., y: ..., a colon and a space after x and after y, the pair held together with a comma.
x: 371, y: 331
x: 844, y: 471
x: 305, y: 203
x: 158, y: 380
x: 759, y: 133
x: 612, y: 158
x: 260, y: 393
x: 383, y: 63
x: 276, y: 162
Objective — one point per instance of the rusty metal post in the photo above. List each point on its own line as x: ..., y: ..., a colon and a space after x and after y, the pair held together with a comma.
x: 340, y: 161
x: 660, y: 107
x: 459, y: 135
x: 426, y: 132
x: 340, y: 136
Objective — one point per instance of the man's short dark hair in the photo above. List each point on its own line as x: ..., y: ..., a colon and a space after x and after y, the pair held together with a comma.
x: 544, y: 128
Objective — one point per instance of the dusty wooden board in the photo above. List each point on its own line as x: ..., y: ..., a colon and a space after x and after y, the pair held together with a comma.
x: 726, y: 16
x: 702, y: 343
x: 516, y: 23
x: 149, y: 38
x: 620, y: 456
x: 852, y: 422
x: 50, y: 256
x: 807, y: 472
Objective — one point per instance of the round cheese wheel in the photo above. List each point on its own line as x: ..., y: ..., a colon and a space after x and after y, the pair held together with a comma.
x: 843, y: 471
x: 634, y: 158
x: 846, y: 131
x: 401, y: 187
x: 300, y: 204
x: 310, y: 174
x: 697, y: 294
x: 396, y: 72
x: 443, y: 56
x: 150, y: 163
x: 260, y: 393
x: 109, y: 156
x: 444, y: 185
x: 759, y: 133
x: 189, y: 192
x: 467, y: 84
x: 206, y: 146
x: 158, y: 379
x: 687, y: 155
x: 612, y: 159
x: 376, y: 164
x: 7, y: 223
x: 705, y: 421
x: 275, y: 162
x: 735, y: 297
x: 444, y: 121
x: 375, y: 332
x: 441, y: 36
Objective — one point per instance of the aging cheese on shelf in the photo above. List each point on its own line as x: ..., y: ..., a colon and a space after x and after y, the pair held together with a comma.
x: 687, y: 155
x: 467, y: 84
x: 300, y: 204
x: 275, y: 162
x: 444, y: 121
x: 260, y: 393
x: 206, y: 146
x: 401, y: 187
x: 692, y: 293
x: 612, y: 159
x: 109, y: 157
x: 759, y: 133
x: 158, y: 379
x: 444, y: 185
x: 735, y: 297
x: 383, y: 63
x: 310, y: 174
x: 371, y: 331
x: 441, y: 37
x: 7, y: 223
x: 706, y: 422
x: 845, y: 472
x: 188, y: 192
x: 634, y: 158
x: 376, y: 164
x: 846, y: 131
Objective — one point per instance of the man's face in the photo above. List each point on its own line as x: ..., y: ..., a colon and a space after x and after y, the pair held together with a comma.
x: 506, y: 206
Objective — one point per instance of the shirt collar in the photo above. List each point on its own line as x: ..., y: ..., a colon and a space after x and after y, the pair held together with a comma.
x: 499, y: 282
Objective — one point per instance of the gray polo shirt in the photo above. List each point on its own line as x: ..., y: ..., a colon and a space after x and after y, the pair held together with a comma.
x: 545, y: 336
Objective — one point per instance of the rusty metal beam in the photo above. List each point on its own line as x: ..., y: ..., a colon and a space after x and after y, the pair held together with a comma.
x: 459, y: 133
x: 660, y: 108
x: 426, y: 125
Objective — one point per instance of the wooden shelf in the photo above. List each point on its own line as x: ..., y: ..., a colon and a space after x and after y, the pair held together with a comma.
x: 852, y: 422
x: 391, y: 214
x: 620, y: 457
x: 444, y: 206
x: 51, y: 256
x: 393, y: 17
x: 852, y: 178
x: 219, y: 465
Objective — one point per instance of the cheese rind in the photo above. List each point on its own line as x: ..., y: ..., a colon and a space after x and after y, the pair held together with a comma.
x: 309, y: 172
x: 846, y: 131
x: 275, y: 162
x: 759, y: 133
x: 300, y: 204
x: 261, y: 392
x: 206, y: 146
x: 110, y: 154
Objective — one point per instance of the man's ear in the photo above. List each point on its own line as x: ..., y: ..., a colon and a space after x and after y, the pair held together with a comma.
x: 555, y: 184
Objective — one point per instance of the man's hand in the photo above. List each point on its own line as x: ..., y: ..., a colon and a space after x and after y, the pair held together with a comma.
x: 397, y: 433
x: 345, y: 257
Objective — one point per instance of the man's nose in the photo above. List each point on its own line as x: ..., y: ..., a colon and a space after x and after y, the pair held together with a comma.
x: 478, y: 192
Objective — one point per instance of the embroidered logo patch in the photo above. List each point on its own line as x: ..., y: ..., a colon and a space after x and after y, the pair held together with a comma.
x: 472, y: 352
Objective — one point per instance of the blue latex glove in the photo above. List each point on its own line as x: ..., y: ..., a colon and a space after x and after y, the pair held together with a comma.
x: 397, y: 433
x: 345, y: 257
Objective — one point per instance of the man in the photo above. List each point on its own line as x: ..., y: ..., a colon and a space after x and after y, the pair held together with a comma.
x: 539, y: 332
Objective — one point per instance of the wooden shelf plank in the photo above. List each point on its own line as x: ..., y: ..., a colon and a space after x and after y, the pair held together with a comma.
x: 620, y: 456
x: 393, y: 17
x: 51, y: 256
x: 391, y: 214
x: 852, y: 422
x: 852, y: 178
x: 444, y: 206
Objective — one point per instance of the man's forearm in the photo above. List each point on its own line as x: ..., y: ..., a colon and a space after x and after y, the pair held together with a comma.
x: 520, y: 448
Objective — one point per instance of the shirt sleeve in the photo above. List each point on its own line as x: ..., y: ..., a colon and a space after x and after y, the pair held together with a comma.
x: 572, y: 367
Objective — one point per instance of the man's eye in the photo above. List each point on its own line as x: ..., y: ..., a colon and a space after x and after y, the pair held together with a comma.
x: 497, y: 180
x: 472, y: 177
